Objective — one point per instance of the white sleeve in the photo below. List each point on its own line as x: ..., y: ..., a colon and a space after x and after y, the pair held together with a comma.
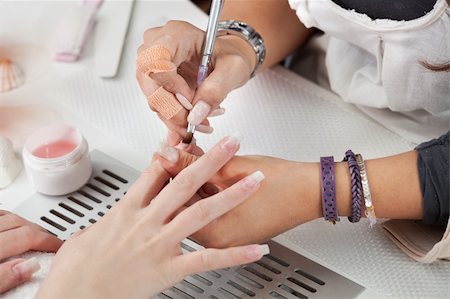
x: 302, y: 10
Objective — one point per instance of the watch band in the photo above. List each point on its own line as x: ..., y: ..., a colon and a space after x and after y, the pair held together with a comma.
x: 245, y: 31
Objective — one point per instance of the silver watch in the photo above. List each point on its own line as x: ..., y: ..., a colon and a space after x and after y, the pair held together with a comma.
x: 241, y: 29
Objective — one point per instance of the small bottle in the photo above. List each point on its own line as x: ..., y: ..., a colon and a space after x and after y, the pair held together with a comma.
x: 56, y: 160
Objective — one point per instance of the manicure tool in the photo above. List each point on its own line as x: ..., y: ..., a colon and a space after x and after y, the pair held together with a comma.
x: 114, y: 19
x: 73, y: 31
x: 208, y: 47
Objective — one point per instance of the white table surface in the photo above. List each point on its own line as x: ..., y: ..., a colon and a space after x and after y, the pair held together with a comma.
x: 113, y: 117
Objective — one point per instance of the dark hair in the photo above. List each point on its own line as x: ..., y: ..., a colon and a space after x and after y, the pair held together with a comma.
x: 444, y: 67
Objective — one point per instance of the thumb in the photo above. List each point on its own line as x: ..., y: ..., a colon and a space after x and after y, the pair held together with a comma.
x: 16, y: 272
x: 229, y: 73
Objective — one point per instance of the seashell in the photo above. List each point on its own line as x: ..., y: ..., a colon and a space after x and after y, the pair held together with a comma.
x: 11, y: 76
x: 10, y: 166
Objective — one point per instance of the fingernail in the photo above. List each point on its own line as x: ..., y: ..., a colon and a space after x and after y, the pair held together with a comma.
x: 252, y: 180
x: 257, y: 251
x: 198, y: 113
x: 182, y: 146
x: 183, y: 101
x: 204, y: 129
x: 217, y: 112
x: 168, y: 152
x: 27, y: 267
x: 231, y: 142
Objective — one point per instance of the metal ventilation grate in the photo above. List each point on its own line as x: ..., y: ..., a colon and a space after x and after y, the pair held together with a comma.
x: 282, y: 274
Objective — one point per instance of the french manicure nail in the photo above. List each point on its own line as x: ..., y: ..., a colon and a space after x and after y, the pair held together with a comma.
x: 183, y: 101
x: 204, y: 129
x: 27, y: 267
x: 168, y: 152
x: 231, y: 142
x: 257, y: 251
x: 252, y: 180
x: 198, y: 113
x: 183, y: 146
x: 217, y: 112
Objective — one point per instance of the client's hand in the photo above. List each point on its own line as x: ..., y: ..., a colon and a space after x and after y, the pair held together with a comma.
x: 134, y: 251
x: 18, y: 236
x: 170, y: 57
x: 287, y: 198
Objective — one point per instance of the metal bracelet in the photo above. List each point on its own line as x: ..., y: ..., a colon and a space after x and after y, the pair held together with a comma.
x: 246, y: 32
x: 370, y: 209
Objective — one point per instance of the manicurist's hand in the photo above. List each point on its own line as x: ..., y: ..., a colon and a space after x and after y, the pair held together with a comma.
x: 170, y: 57
x: 134, y: 250
x: 289, y: 196
x: 17, y: 236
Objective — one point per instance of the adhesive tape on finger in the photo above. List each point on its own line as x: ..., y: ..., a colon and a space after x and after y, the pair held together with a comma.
x: 155, y: 59
x: 165, y: 103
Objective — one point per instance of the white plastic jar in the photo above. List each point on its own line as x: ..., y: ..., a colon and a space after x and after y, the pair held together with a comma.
x: 56, y: 159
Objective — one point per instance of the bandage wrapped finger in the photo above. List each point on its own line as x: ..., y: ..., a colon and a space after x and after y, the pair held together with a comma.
x: 156, y: 59
x: 164, y: 102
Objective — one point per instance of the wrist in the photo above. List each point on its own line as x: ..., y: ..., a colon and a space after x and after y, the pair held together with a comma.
x: 307, y: 195
x: 247, y: 33
x: 343, y: 189
x: 243, y: 49
x: 306, y: 180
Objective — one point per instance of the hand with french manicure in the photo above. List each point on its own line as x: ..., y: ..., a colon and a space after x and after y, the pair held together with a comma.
x: 134, y: 251
x: 17, y: 236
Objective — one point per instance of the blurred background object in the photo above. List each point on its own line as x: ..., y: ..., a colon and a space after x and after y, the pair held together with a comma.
x: 204, y: 5
x: 11, y: 75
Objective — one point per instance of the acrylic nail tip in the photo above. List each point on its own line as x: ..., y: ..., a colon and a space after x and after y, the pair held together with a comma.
x: 264, y: 249
x: 258, y: 176
x: 29, y: 266
x: 204, y: 129
x: 184, y: 101
x: 237, y: 136
x: 198, y: 113
x: 217, y: 112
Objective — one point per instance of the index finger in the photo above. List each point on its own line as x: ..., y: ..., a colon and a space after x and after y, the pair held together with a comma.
x: 148, y: 185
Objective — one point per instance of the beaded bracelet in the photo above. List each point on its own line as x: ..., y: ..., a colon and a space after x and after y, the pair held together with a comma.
x: 370, y: 209
x: 356, y: 187
x: 328, y: 189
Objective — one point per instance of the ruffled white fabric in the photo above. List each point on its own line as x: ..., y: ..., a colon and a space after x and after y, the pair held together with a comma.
x: 376, y: 64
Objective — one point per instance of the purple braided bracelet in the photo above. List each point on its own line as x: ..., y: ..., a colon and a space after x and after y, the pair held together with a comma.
x: 328, y: 189
x: 356, y: 186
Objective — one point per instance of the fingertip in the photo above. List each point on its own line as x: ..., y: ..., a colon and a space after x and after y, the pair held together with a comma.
x: 183, y: 101
x: 173, y: 138
x: 24, y: 269
x: 168, y: 152
x: 231, y: 143
x: 199, y: 113
x: 256, y: 252
x: 167, y: 165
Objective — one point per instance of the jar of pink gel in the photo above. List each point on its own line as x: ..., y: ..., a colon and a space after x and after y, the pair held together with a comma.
x: 56, y: 159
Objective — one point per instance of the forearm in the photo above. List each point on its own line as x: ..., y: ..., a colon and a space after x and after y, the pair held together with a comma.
x: 393, y: 181
x: 277, y: 23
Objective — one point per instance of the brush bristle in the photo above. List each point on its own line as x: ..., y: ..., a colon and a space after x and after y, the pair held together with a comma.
x: 188, y: 138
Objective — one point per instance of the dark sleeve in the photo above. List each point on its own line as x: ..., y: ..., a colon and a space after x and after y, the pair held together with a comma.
x: 434, y: 175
